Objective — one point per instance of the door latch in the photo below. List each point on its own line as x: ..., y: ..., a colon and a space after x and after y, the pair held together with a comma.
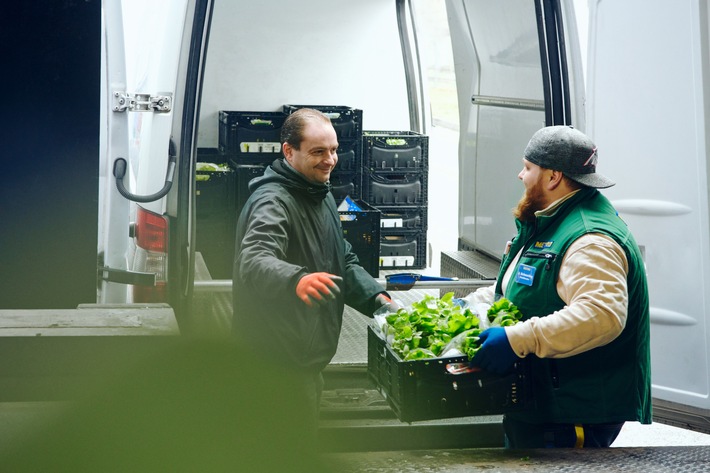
x: 160, y: 103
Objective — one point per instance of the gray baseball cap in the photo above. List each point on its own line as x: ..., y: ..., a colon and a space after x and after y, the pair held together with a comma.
x: 566, y: 149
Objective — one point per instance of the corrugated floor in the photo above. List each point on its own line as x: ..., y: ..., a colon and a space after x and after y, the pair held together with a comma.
x: 627, y: 460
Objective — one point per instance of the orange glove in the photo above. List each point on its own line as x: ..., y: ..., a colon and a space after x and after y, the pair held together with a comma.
x: 317, y: 286
x: 384, y: 300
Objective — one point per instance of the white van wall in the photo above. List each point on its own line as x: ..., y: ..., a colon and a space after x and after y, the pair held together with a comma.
x: 648, y: 83
x: 347, y: 53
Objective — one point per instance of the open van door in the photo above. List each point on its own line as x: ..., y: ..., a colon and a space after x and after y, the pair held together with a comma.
x: 648, y: 111
x: 517, y: 70
x: 151, y: 102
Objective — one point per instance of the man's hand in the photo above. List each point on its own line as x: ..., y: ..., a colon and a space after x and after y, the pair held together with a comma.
x: 384, y: 300
x: 495, y: 355
x: 318, y: 287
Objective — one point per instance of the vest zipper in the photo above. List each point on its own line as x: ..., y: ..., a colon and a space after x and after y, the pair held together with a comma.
x: 549, y: 257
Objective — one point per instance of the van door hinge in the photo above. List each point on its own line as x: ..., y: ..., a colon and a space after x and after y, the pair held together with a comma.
x: 123, y: 101
x: 122, y: 276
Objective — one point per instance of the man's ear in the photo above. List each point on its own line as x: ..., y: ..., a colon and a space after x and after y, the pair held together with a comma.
x: 287, y: 151
x: 555, y: 179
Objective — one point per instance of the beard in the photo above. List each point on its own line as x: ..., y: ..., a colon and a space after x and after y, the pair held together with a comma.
x: 531, y: 201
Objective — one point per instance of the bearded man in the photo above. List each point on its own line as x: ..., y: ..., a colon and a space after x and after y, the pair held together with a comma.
x: 576, y: 273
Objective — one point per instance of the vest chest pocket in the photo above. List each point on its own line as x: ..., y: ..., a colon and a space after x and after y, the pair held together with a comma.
x: 545, y: 259
x: 530, y: 263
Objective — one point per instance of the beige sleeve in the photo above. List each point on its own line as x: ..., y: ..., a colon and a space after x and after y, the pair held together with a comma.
x: 485, y: 295
x: 592, y: 283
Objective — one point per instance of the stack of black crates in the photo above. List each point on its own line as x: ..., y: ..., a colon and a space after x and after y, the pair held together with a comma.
x: 251, y: 140
x: 215, y: 202
x: 384, y: 172
x: 248, y: 142
x: 395, y: 181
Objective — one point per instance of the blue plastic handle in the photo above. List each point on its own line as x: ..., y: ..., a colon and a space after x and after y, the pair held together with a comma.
x: 407, y: 280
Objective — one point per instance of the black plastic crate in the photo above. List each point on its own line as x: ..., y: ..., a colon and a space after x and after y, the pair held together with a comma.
x: 362, y: 229
x: 403, y: 250
x: 250, y: 137
x: 349, y: 156
x: 428, y: 389
x: 243, y: 173
x: 215, y: 189
x: 346, y: 184
x: 215, y: 240
x: 395, y: 189
x: 400, y: 151
x: 396, y: 219
x: 210, y: 155
x: 347, y: 121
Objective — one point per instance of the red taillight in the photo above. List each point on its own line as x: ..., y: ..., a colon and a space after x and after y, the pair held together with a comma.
x: 151, y: 231
x: 151, y: 255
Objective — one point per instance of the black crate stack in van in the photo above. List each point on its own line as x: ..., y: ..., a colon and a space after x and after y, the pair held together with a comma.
x: 248, y: 141
x: 251, y: 140
x: 214, y: 204
x: 386, y: 172
x: 395, y: 181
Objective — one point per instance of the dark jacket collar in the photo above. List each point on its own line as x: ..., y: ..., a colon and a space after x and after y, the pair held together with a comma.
x: 283, y: 173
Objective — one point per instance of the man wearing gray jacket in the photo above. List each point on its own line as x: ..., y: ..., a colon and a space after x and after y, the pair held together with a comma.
x: 293, y: 269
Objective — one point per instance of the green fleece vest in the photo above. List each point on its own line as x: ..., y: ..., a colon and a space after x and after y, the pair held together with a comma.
x: 611, y: 383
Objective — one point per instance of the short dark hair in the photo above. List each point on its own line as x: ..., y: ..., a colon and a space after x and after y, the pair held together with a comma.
x: 292, y: 129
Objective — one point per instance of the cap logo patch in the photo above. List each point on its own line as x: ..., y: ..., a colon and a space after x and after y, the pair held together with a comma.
x: 592, y: 160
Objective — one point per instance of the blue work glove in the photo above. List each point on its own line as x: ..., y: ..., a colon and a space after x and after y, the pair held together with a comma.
x: 495, y: 355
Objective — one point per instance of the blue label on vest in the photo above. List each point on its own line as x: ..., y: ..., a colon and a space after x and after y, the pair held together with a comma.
x: 525, y: 275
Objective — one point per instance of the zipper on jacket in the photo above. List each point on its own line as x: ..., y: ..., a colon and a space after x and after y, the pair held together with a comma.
x: 549, y: 257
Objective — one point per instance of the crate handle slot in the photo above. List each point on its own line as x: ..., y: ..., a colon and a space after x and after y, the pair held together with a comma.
x: 461, y: 368
x: 261, y: 121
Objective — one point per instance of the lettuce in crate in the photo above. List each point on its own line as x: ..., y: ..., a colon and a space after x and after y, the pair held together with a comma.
x: 441, y: 327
